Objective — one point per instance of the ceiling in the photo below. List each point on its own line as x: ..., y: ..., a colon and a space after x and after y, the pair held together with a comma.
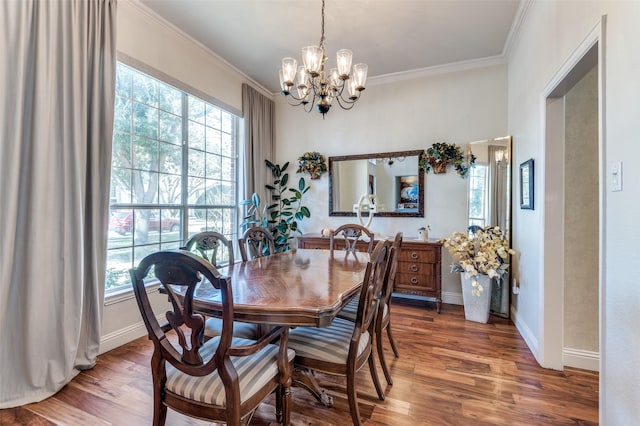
x: 390, y: 36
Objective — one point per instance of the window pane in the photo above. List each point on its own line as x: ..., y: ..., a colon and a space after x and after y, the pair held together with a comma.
x: 123, y: 81
x: 120, y: 185
x: 170, y: 189
x: 213, y: 117
x: 145, y: 187
x: 196, y: 110
x: 213, y: 166
x: 121, y: 150
x: 149, y: 210
x: 196, y: 163
x: 145, y: 89
x: 213, y: 141
x: 196, y: 135
x: 197, y: 191
x: 170, y: 127
x: 122, y: 116
x: 170, y: 158
x: 227, y: 122
x: 227, y: 145
x: 145, y: 154
x: 145, y: 120
x: 170, y: 99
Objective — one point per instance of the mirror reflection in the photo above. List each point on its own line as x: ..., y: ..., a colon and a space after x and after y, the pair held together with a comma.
x: 393, y: 179
x: 489, y: 201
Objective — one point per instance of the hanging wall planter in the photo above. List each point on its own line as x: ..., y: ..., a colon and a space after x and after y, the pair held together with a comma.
x: 313, y: 163
x: 441, y: 154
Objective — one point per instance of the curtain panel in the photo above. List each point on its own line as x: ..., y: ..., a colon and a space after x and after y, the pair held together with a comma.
x: 57, y: 82
x: 259, y: 120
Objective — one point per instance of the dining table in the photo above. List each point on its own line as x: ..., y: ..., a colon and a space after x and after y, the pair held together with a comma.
x: 299, y: 287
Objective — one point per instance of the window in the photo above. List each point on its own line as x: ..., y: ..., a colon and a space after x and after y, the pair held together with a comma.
x: 478, y: 187
x: 164, y: 190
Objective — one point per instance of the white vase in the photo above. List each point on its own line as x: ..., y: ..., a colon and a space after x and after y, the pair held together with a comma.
x: 424, y: 234
x: 476, y: 308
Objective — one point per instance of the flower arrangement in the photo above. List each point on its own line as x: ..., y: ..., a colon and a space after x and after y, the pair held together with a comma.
x: 313, y: 163
x: 484, y: 252
x: 439, y: 155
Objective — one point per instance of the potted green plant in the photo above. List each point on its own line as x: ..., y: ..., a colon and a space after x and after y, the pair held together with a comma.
x: 282, y: 216
x: 313, y: 163
x: 480, y: 258
x: 441, y: 154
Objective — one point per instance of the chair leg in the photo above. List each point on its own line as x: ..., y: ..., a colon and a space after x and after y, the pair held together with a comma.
x: 374, y: 375
x: 393, y: 342
x: 353, y: 398
x: 381, y: 357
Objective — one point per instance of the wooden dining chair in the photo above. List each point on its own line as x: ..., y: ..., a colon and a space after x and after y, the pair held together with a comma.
x: 211, y: 245
x: 346, y: 237
x: 218, y: 250
x: 224, y: 379
x: 383, y: 319
x: 345, y: 346
x: 256, y: 242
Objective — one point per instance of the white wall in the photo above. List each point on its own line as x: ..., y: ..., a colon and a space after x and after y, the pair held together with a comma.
x: 457, y: 107
x: 551, y: 32
x: 149, y: 40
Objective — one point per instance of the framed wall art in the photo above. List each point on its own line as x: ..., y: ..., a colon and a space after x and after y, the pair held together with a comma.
x: 526, y: 185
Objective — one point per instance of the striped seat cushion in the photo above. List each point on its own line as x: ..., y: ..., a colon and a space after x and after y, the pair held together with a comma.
x: 213, y: 327
x: 254, y: 371
x: 350, y: 310
x: 329, y: 344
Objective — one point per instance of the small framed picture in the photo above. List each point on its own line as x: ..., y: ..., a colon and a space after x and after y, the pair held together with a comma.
x: 526, y: 185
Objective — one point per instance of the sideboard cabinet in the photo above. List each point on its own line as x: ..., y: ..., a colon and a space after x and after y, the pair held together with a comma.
x: 419, y: 265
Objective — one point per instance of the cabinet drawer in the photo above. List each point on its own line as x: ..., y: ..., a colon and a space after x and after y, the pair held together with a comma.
x: 416, y: 268
x: 416, y: 282
x: 422, y: 256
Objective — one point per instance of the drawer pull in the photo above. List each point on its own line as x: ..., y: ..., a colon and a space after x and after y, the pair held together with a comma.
x: 414, y: 280
x: 414, y: 268
x: 414, y: 255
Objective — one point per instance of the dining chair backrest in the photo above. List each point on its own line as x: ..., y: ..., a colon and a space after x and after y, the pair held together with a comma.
x: 372, y: 286
x: 346, y: 237
x: 390, y: 274
x: 256, y: 242
x: 213, y: 246
x: 183, y: 363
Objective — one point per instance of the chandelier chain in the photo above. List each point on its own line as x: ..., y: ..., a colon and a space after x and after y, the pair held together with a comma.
x: 322, y: 28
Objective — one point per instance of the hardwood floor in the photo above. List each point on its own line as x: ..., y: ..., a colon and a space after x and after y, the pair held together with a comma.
x: 450, y: 372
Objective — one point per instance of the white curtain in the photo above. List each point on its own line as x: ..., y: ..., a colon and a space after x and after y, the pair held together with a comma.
x: 259, y: 118
x: 57, y: 82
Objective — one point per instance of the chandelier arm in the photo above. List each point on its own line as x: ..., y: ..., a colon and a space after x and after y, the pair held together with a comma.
x: 344, y: 103
x: 290, y: 96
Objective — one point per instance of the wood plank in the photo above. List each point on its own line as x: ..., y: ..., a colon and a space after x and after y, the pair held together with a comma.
x: 450, y: 372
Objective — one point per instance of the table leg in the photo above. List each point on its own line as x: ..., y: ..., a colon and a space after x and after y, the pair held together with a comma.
x: 304, y: 377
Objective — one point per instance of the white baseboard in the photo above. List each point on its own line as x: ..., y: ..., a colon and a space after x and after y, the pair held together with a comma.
x: 452, y: 298
x: 125, y: 335
x: 580, y: 358
x: 120, y: 337
x: 529, y: 338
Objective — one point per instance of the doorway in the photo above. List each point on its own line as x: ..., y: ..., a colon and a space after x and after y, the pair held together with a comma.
x: 573, y: 182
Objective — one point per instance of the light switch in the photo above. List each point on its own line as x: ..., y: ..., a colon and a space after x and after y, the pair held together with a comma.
x: 616, y: 176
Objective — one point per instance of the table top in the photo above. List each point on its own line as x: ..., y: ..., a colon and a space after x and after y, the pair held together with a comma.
x: 298, y: 287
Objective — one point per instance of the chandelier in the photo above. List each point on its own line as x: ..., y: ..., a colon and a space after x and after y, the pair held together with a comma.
x: 318, y: 87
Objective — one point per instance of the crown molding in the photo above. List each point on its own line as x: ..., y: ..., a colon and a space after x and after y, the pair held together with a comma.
x: 516, y: 27
x: 437, y: 70
x: 160, y: 20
